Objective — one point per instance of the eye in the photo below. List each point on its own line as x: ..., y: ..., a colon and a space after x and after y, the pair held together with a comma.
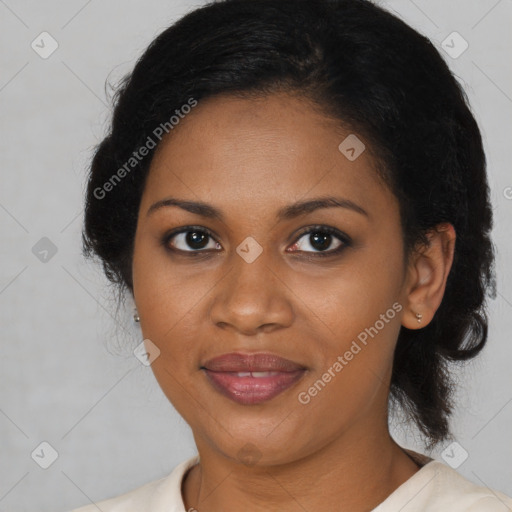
x: 320, y: 239
x: 195, y: 239
x: 190, y: 239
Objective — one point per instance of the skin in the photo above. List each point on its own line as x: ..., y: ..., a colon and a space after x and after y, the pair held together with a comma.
x: 249, y: 158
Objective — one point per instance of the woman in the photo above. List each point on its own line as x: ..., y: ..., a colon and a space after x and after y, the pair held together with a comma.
x: 294, y: 194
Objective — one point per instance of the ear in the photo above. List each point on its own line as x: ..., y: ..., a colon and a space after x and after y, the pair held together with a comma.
x: 427, y: 275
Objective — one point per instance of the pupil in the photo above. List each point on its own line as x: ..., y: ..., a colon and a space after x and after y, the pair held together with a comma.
x: 196, y: 239
x: 320, y: 241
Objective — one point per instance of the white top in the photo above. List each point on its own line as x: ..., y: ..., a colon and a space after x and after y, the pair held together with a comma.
x: 435, y: 487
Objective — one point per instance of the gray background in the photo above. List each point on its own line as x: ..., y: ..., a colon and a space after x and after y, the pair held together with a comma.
x: 68, y: 376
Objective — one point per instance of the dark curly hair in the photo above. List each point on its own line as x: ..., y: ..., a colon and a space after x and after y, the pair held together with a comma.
x: 364, y: 67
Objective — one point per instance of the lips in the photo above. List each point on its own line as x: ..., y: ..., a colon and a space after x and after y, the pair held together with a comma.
x: 250, y: 379
x: 261, y: 362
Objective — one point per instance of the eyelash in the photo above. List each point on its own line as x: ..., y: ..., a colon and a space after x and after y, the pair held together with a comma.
x: 344, y: 239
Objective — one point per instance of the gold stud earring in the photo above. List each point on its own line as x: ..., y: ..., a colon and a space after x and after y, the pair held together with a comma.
x: 419, y: 316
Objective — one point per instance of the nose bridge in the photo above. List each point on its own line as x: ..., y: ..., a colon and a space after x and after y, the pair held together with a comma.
x: 251, y: 295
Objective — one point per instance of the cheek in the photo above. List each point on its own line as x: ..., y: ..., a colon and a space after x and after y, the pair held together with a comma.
x: 353, y: 297
x: 359, y: 324
x: 359, y: 332
x: 162, y: 291
x: 357, y: 314
x: 171, y: 302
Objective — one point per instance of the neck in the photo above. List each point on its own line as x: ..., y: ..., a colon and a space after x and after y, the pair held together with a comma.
x: 357, y: 469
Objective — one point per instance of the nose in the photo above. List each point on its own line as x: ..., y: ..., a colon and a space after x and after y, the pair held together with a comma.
x: 253, y: 297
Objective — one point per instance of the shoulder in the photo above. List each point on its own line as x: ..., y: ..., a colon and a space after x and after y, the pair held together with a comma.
x: 437, y: 486
x: 163, y: 494
x: 136, y: 498
x: 460, y: 494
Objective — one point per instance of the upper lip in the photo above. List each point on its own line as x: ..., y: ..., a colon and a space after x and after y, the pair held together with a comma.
x: 260, y: 362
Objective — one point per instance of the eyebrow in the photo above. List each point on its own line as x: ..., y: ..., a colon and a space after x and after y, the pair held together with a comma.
x: 288, y: 212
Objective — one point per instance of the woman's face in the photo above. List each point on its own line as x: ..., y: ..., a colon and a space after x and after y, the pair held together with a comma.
x: 260, y: 284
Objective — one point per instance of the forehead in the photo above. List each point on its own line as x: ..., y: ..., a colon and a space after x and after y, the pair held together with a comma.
x: 268, y: 152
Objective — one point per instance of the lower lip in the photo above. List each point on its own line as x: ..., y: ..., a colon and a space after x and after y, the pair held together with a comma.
x: 252, y: 390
